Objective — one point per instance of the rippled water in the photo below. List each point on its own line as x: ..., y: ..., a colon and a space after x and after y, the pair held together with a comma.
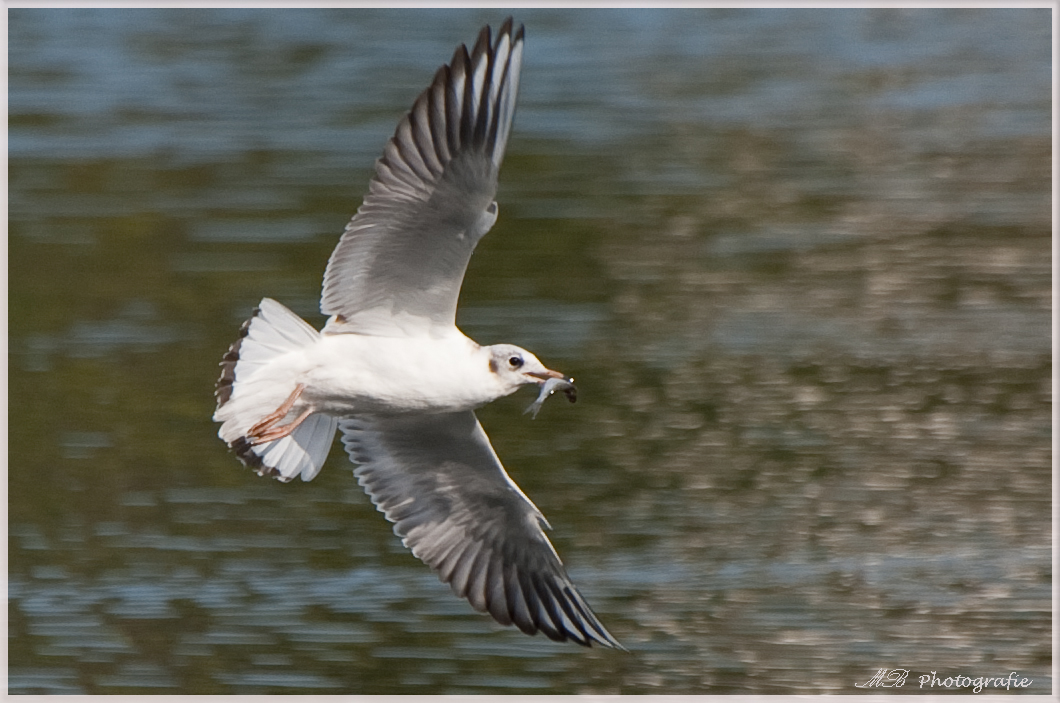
x: 798, y: 262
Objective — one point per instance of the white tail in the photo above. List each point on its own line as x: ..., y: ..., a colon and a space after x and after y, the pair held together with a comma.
x: 247, y: 391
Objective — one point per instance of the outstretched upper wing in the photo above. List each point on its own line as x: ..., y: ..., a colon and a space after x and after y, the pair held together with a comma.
x: 437, y: 478
x: 400, y: 263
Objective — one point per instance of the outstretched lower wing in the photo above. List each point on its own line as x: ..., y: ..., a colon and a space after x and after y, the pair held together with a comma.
x: 398, y: 268
x: 437, y: 478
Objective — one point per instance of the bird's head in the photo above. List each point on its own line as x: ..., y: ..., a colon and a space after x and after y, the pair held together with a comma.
x: 515, y: 367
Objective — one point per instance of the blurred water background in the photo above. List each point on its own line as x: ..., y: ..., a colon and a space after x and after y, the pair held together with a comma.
x: 797, y: 260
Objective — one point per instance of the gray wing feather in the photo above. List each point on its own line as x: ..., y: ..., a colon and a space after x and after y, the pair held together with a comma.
x: 437, y: 478
x: 400, y: 263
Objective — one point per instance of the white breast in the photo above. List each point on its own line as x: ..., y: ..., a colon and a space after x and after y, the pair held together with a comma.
x: 347, y: 374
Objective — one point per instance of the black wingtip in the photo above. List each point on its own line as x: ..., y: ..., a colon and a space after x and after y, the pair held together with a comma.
x: 483, y: 42
x: 507, y: 27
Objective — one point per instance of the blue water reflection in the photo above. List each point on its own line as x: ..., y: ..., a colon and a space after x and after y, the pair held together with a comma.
x: 798, y: 261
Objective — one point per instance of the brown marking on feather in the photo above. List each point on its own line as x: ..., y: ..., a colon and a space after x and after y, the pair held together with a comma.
x: 242, y: 448
x: 245, y: 453
x: 228, y: 363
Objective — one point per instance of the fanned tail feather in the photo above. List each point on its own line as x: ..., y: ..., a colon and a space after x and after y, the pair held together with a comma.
x: 246, y: 393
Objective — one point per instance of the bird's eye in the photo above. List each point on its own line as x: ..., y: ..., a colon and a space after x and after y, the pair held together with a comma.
x: 515, y: 362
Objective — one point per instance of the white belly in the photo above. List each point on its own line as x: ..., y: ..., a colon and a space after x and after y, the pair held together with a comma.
x: 347, y: 374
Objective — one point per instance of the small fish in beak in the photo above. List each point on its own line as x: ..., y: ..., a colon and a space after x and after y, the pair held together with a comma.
x: 553, y: 384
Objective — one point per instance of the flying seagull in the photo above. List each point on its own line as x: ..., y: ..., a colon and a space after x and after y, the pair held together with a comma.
x: 391, y: 371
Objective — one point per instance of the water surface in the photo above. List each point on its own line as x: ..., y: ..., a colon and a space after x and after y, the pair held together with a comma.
x: 798, y: 262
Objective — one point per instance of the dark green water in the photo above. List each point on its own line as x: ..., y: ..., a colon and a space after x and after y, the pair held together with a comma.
x: 798, y: 262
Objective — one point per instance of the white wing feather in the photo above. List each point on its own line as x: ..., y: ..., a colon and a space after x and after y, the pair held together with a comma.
x: 437, y: 478
x: 398, y: 268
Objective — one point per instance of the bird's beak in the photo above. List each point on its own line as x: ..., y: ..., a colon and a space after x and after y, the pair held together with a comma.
x: 545, y: 375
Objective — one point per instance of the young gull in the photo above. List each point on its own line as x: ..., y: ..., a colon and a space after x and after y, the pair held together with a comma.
x: 391, y: 371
